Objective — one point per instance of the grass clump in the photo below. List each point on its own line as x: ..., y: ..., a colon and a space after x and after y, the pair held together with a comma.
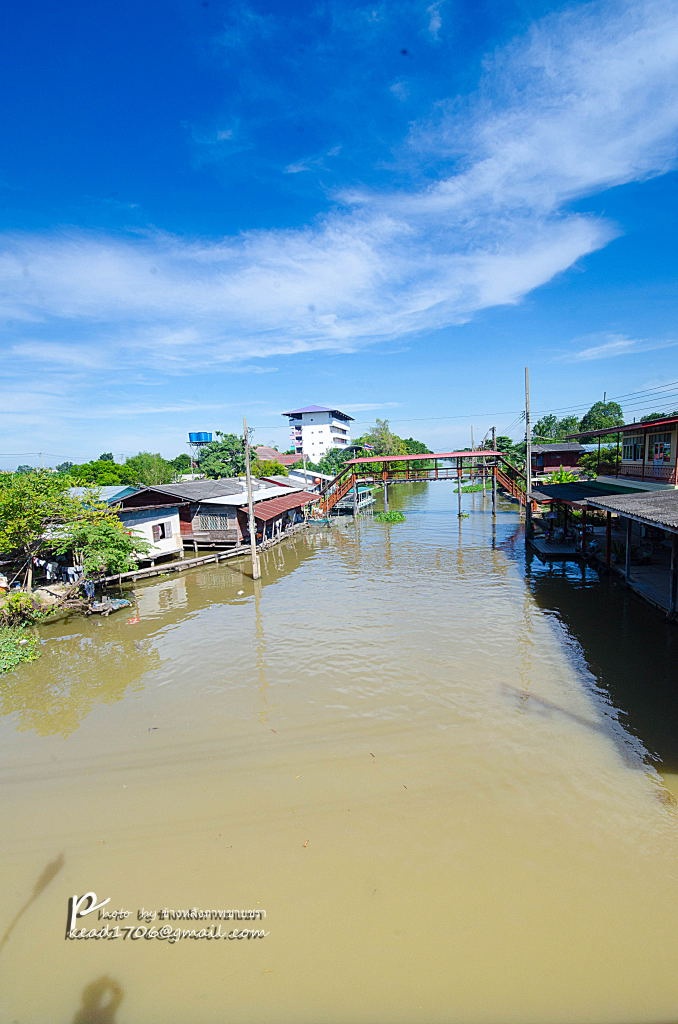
x: 389, y: 517
x: 16, y: 645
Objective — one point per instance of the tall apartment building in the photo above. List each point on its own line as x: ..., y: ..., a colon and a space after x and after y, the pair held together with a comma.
x: 316, y: 429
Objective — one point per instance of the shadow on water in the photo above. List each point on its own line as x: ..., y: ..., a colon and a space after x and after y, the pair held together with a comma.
x: 100, y: 1002
x: 627, y: 645
x: 48, y: 873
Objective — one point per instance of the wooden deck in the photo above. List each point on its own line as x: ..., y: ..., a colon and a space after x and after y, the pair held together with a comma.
x: 165, y: 568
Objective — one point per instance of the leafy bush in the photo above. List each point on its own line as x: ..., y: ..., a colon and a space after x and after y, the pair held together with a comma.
x: 18, y: 607
x: 16, y: 645
x: 389, y: 517
x: 562, y: 476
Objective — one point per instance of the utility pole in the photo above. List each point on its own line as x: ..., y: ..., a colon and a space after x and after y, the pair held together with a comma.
x: 528, y: 457
x: 256, y: 569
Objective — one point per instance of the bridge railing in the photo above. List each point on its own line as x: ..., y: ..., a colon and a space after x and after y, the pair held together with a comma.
x: 509, y: 477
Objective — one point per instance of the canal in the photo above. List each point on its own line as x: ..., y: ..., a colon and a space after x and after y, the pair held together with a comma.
x: 444, y: 771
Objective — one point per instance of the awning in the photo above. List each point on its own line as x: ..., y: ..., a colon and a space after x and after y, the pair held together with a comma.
x: 652, y: 508
x: 266, y: 510
x: 580, y: 493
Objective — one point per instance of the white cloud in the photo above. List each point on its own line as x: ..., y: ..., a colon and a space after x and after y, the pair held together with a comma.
x: 435, y: 21
x: 400, y: 90
x: 614, y: 345
x: 588, y: 100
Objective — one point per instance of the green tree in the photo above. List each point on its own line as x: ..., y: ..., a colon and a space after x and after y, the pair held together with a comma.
x: 24, y: 469
x: 382, y: 439
x: 414, y: 447
x: 268, y: 467
x: 147, y: 468
x: 551, y: 429
x: 602, y: 415
x: 515, y: 451
x: 98, y: 473
x: 224, y: 457
x: 64, y: 467
x: 568, y: 425
x: 100, y: 543
x: 182, y: 463
x: 106, y: 457
x: 605, y: 463
x: 31, y: 506
x: 334, y: 460
x: 651, y: 416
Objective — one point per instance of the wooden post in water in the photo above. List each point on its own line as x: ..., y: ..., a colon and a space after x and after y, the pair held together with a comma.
x: 385, y: 496
x: 256, y: 568
x: 608, y: 540
x: 494, y: 472
x: 627, y: 561
x: 459, y: 513
x: 355, y: 497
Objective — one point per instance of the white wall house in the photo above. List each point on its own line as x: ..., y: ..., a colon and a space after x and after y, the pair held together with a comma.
x: 315, y: 429
x: 159, y: 526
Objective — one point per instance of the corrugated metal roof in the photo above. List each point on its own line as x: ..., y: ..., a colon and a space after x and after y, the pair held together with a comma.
x: 263, y: 452
x: 654, y: 508
x: 578, y: 493
x: 198, y: 490
x: 563, y: 446
x: 260, y: 491
x: 266, y: 510
x: 204, y: 490
x: 109, y: 492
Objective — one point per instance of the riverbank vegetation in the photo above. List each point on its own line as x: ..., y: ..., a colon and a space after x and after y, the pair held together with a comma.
x: 39, y: 516
x: 17, y: 644
x: 389, y: 517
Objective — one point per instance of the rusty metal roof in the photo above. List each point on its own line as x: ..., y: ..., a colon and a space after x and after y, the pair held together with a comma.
x: 273, y: 507
x: 430, y: 455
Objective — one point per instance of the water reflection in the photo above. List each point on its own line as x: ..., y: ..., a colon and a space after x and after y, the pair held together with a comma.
x: 627, y: 645
x: 100, y: 1002
x: 49, y: 872
x: 384, y: 743
x: 75, y: 673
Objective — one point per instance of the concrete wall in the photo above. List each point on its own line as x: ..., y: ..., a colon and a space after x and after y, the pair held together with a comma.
x: 166, y: 523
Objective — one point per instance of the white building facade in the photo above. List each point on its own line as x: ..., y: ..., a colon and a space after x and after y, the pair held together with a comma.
x: 316, y: 429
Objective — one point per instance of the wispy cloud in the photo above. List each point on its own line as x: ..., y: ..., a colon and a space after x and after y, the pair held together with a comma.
x: 613, y: 345
x: 435, y: 20
x: 367, y: 406
x: 587, y: 101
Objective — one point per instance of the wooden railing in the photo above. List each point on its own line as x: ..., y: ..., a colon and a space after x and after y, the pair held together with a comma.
x: 336, y: 490
x: 665, y: 471
x: 509, y: 477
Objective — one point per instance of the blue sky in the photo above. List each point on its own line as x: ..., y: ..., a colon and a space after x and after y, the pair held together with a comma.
x: 211, y: 210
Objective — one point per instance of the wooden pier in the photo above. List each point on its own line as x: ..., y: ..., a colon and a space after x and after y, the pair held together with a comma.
x: 166, y: 568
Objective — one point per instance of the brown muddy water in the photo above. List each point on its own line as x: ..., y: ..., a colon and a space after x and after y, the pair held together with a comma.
x: 443, y: 770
